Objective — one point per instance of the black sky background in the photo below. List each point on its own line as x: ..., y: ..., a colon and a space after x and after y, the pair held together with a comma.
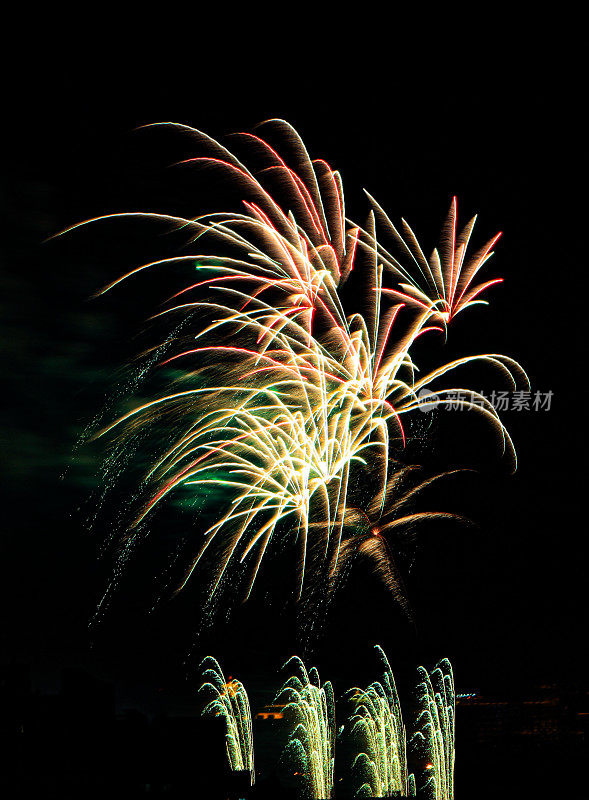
x: 505, y: 601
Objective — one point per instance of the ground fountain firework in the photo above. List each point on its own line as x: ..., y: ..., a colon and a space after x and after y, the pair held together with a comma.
x: 378, y: 722
x: 376, y: 731
x: 433, y: 740
x: 229, y: 700
x: 311, y: 745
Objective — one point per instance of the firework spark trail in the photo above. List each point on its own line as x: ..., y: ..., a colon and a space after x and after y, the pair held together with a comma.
x: 434, y: 737
x: 379, y: 722
x: 312, y: 740
x: 443, y: 282
x: 230, y: 701
x: 305, y: 389
x: 367, y: 531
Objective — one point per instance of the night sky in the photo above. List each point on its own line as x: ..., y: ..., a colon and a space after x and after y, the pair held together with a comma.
x: 504, y: 598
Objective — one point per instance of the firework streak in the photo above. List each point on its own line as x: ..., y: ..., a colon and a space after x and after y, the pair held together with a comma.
x: 287, y: 398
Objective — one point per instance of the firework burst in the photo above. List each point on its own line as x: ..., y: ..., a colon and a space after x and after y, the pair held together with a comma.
x: 284, y: 396
x: 442, y: 283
